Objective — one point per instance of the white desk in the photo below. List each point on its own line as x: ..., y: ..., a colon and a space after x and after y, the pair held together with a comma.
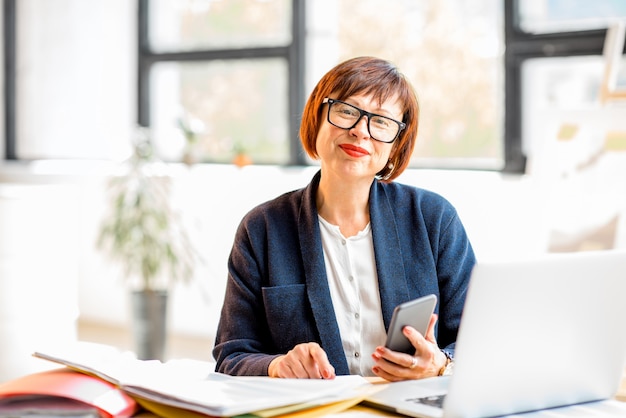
x: 605, y: 409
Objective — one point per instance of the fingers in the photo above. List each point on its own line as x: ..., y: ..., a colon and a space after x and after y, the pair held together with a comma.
x: 323, y: 365
x: 304, y: 361
x: 422, y: 342
x: 430, y: 331
x: 394, y: 366
x: 390, y: 375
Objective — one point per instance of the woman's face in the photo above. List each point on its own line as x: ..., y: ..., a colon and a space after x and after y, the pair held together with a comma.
x: 352, y: 153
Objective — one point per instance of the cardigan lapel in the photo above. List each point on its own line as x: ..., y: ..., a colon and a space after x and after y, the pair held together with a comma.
x: 316, y: 279
x: 392, y: 280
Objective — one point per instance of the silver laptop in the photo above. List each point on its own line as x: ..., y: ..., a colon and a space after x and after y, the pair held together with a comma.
x: 535, y: 334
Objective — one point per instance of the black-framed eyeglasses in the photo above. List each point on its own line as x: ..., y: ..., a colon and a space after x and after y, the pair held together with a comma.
x: 345, y: 116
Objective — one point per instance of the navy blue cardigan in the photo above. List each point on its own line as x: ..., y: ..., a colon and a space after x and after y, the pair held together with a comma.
x: 277, y: 293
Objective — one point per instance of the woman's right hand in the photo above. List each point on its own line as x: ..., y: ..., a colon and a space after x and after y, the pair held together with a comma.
x: 304, y: 361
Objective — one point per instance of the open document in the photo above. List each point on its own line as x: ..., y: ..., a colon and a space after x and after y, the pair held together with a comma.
x: 194, y: 386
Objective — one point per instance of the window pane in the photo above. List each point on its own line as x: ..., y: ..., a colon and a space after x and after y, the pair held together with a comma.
x: 549, y: 16
x: 236, y: 105
x: 565, y: 126
x: 451, y: 51
x: 72, y: 102
x: 185, y: 25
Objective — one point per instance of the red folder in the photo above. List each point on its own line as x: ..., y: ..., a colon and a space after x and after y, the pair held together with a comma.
x: 110, y: 401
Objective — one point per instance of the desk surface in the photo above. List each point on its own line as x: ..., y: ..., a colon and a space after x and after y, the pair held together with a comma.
x: 360, y: 411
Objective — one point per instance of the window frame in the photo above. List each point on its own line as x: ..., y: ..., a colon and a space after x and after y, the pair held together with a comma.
x: 520, y: 46
x: 292, y: 53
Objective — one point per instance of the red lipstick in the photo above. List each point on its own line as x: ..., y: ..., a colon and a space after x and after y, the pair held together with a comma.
x: 353, y: 150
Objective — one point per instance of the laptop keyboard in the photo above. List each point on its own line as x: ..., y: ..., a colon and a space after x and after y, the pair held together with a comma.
x: 434, y: 401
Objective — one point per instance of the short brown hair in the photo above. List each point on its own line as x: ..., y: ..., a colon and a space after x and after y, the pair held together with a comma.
x: 373, y: 76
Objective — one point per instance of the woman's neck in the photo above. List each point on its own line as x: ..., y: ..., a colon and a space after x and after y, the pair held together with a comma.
x: 345, y: 204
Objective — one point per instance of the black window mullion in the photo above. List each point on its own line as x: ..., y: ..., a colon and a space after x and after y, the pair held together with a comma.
x: 514, y: 159
x: 218, y: 54
x: 296, y: 81
x: 557, y: 45
x: 10, y: 78
x: 143, y: 65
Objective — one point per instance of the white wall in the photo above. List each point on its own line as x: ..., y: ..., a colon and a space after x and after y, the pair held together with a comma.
x: 38, y: 271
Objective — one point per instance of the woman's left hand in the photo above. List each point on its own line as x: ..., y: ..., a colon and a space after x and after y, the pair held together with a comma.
x: 427, y: 361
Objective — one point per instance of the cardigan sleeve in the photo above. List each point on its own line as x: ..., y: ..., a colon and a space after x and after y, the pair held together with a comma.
x: 455, y: 260
x: 436, y: 251
x: 241, y: 337
x: 267, y: 309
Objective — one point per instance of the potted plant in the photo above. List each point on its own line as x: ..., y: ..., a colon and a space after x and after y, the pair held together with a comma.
x: 192, y: 129
x: 145, y: 235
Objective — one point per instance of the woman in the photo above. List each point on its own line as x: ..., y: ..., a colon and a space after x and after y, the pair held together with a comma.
x: 314, y: 275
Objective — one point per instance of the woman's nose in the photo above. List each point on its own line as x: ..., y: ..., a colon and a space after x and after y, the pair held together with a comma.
x: 361, y: 127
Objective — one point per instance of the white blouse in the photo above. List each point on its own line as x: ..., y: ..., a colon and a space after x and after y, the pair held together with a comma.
x: 353, y: 282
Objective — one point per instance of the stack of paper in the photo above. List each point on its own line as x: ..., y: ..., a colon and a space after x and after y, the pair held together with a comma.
x: 193, y: 385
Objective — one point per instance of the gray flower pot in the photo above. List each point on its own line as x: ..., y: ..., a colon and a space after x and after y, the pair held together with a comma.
x: 149, y: 323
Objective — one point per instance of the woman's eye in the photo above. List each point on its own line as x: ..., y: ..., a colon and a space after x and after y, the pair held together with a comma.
x: 380, y: 121
x: 346, y: 111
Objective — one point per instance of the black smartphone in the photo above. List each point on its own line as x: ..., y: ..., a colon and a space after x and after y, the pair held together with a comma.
x: 415, y: 313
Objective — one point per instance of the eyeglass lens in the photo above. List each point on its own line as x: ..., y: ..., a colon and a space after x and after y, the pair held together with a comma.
x: 346, y: 116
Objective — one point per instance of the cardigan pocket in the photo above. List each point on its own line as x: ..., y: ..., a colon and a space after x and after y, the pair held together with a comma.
x: 289, y: 316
